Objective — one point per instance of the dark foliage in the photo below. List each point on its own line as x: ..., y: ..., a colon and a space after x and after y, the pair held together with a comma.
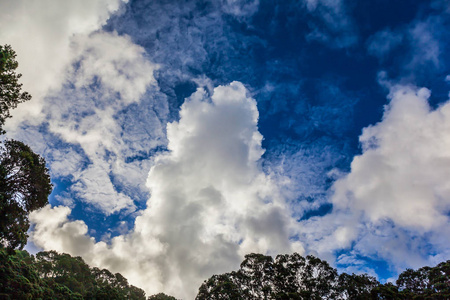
x: 285, y: 277
x: 161, y: 296
x: 20, y: 279
x: 10, y: 89
x: 291, y: 277
x: 51, y: 275
x: 24, y: 179
x: 78, y: 277
x: 426, y: 282
x: 24, y: 187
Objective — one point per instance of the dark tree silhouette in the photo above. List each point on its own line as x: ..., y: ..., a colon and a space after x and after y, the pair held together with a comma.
x: 24, y: 187
x: 294, y: 277
x: 161, y: 296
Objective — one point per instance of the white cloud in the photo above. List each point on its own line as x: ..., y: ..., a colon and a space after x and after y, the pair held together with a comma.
x: 95, y: 101
x: 394, y: 203
x: 113, y: 62
x: 108, y: 75
x: 41, y: 33
x: 87, y: 86
x: 402, y: 173
x: 210, y: 203
x: 82, y: 80
x: 94, y: 186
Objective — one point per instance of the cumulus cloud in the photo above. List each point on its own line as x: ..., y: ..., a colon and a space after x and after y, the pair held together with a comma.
x: 402, y: 173
x: 41, y: 34
x: 394, y: 202
x: 210, y: 203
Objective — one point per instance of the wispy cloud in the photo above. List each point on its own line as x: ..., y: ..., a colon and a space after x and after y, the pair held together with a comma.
x: 382, y: 42
x: 415, y: 47
x: 44, y: 54
x: 333, y: 25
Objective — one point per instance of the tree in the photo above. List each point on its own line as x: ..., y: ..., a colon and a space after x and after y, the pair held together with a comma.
x: 294, y: 277
x: 24, y: 187
x: 20, y: 279
x: 24, y: 179
x: 62, y: 271
x: 387, y: 291
x: 426, y: 282
x: 357, y: 287
x: 285, y: 277
x: 161, y: 296
x: 220, y: 287
x: 11, y: 93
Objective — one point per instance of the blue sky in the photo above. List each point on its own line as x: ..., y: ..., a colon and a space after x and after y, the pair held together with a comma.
x: 181, y: 135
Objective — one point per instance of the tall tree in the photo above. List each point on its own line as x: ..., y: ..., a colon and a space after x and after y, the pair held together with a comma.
x: 24, y: 187
x: 11, y: 93
x: 24, y: 179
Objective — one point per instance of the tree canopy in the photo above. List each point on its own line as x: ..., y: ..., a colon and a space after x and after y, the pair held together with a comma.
x: 291, y: 277
x: 24, y: 179
x: 24, y: 187
x: 11, y: 93
x: 51, y: 275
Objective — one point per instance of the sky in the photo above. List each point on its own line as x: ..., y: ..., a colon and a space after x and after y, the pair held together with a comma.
x: 182, y: 135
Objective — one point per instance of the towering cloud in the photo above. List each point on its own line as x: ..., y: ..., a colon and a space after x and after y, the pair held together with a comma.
x: 210, y: 203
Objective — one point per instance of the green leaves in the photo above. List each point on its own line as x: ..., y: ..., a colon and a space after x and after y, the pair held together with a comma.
x: 63, y: 277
